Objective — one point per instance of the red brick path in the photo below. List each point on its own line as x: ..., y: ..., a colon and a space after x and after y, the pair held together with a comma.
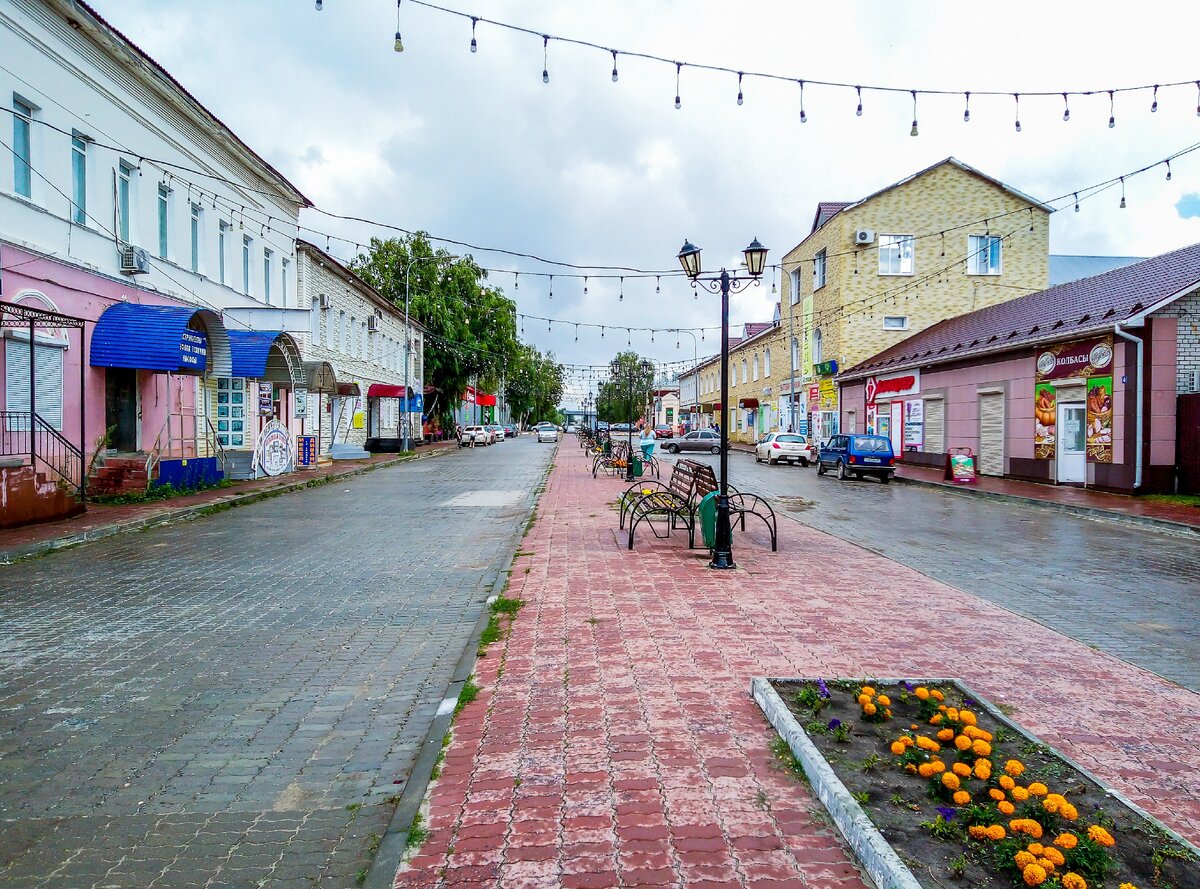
x: 615, y: 743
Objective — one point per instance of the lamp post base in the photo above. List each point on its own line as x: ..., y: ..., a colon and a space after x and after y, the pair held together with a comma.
x: 722, y: 561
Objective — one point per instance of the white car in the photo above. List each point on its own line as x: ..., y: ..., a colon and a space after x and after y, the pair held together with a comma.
x: 785, y: 447
x: 571, y: 427
x: 547, y: 432
x: 497, y: 431
x: 473, y: 435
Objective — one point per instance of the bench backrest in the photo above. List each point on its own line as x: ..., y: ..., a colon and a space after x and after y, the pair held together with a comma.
x: 705, y: 479
x: 682, y: 480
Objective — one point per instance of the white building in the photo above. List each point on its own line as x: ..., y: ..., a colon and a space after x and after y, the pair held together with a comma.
x: 119, y: 183
x: 361, y: 336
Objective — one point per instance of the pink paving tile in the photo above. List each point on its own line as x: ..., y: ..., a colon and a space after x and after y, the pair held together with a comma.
x: 648, y: 763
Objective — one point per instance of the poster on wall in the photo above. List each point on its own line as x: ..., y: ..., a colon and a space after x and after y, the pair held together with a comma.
x: 1100, y: 419
x: 1045, y: 416
x: 871, y: 415
x: 828, y: 392
x: 275, y: 449
x: 914, y: 424
x: 266, y: 399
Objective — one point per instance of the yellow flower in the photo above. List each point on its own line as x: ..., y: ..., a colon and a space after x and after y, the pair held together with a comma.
x: 1024, y: 859
x: 1127, y: 886
x: 1046, y: 864
x: 961, y: 769
x: 864, y: 699
x: 884, y: 700
x: 946, y: 734
x: 1037, y: 788
x: 1055, y: 856
x: 1052, y: 802
x: 938, y: 766
x: 911, y: 769
x: 928, y: 744
x: 962, y: 742
x: 996, y: 794
x: 1100, y: 835
x: 1007, y: 783
x: 983, y: 769
x: 1020, y: 794
x: 1036, y: 849
x: 966, y: 716
x: 1066, y: 840
x: 995, y: 832
x: 950, y: 780
x: 936, y: 695
x: 898, y: 748
x: 925, y: 770
x: 935, y: 719
x: 977, y: 831
x: 982, y: 748
x: 961, y: 797
x: 1072, y: 880
x: 921, y: 692
x: 869, y: 709
x: 1005, y: 807
x: 867, y: 690
x: 1068, y: 811
x: 952, y: 714
x: 1014, y: 768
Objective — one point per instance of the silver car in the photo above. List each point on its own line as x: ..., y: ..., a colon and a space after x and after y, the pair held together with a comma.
x: 785, y: 447
x: 701, y: 440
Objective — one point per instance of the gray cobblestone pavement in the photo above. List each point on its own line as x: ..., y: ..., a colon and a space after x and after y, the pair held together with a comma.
x: 1122, y: 589
x: 236, y: 701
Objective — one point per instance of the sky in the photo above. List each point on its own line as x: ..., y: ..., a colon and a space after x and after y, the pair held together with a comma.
x: 475, y: 147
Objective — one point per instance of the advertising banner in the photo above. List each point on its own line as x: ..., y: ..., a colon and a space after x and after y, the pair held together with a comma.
x: 1100, y: 419
x: 193, y: 351
x: 275, y: 449
x: 306, y: 450
x: 266, y: 399
x: 300, y: 402
x: 1085, y: 358
x: 828, y: 394
x: 914, y: 424
x: 1045, y: 416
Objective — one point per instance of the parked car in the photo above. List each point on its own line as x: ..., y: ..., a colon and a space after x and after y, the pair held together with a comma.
x: 571, y: 427
x: 620, y: 427
x: 547, y: 432
x: 510, y: 431
x: 469, y: 436
x: 858, y: 455
x: 663, y: 431
x: 601, y: 426
x: 700, y: 440
x: 496, y: 430
x: 785, y: 447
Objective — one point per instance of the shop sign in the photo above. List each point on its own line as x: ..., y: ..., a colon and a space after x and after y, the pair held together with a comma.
x: 914, y: 424
x: 306, y: 450
x: 266, y: 399
x: 962, y: 467
x: 898, y: 385
x: 1085, y: 358
x: 827, y: 395
x: 1092, y: 360
x: 826, y: 369
x: 300, y: 402
x: 416, y: 403
x: 814, y: 396
x: 1099, y: 419
x: 275, y: 449
x: 193, y: 351
x: 871, y: 416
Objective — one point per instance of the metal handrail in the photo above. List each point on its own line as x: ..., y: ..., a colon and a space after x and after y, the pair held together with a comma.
x: 24, y: 433
x: 174, y: 441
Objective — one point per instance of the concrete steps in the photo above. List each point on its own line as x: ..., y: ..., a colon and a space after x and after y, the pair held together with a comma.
x: 119, y: 474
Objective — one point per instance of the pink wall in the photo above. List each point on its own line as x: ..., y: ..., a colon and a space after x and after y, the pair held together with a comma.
x: 82, y: 294
x: 1164, y: 341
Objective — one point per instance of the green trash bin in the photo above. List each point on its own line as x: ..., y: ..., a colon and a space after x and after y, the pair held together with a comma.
x: 638, y: 468
x: 707, y: 511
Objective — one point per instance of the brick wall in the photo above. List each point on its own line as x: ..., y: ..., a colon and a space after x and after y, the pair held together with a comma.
x: 1186, y: 311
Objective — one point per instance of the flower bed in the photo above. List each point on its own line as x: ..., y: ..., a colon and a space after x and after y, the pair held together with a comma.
x: 933, y: 787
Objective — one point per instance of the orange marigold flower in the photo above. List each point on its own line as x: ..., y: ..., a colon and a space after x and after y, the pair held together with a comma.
x: 906, y: 741
x: 962, y: 742
x: 1033, y: 875
x: 977, y: 831
x: 868, y: 690
x: 1014, y: 768
x: 1005, y: 807
x: 888, y: 713
x: 869, y: 709
x: 950, y: 780
x: 898, y: 748
x: 1007, y: 783
x: 911, y: 769
x: 921, y: 692
x: 1020, y: 794
x: 1127, y: 886
x: 966, y: 716
x: 936, y: 695
x: 946, y: 734
x: 1052, y: 802
x: 1100, y: 835
x: 1068, y: 811
x: 913, y: 726
x: 942, y: 707
x: 995, y: 832
x: 1072, y: 880
x: 982, y: 748
x: 1066, y: 840
x: 1046, y: 864
x: 1036, y: 849
x: 864, y: 699
x: 961, y: 797
x: 884, y: 700
x: 987, y: 736
x: 996, y: 794
x: 925, y: 770
x: 983, y: 769
x: 928, y: 744
x: 1037, y: 788
x: 961, y: 769
x: 938, y: 766
x: 952, y: 714
x: 1055, y: 856
x: 935, y: 719
x: 1024, y: 859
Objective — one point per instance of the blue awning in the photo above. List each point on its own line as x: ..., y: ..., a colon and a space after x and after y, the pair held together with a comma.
x: 266, y: 355
x: 174, y: 339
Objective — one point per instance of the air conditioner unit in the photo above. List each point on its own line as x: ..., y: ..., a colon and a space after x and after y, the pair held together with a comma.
x: 372, y: 323
x: 864, y: 236
x: 134, y: 260
x: 323, y: 301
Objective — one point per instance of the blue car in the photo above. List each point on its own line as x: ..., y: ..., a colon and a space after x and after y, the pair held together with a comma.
x: 858, y: 455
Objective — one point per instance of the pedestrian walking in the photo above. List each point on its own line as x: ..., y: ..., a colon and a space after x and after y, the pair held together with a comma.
x: 647, y: 442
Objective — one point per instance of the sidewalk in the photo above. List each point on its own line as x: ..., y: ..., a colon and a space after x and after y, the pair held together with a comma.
x: 614, y: 741
x: 102, y: 521
x: 1080, y: 501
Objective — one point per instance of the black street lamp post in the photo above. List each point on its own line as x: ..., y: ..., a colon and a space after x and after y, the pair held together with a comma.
x: 724, y: 284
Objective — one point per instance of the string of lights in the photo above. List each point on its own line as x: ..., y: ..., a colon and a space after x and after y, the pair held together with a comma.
x: 803, y: 83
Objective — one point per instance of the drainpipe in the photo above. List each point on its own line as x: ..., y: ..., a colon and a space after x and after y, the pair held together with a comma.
x: 1141, y: 390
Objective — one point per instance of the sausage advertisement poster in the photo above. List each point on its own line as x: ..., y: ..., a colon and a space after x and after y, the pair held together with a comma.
x: 1088, y: 360
x: 1099, y: 419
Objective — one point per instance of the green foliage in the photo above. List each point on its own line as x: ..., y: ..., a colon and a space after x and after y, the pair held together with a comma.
x: 417, y: 832
x: 841, y: 734
x: 1090, y: 859
x: 158, y: 492
x: 870, y: 763
x: 616, y: 400
x: 809, y: 698
x: 533, y: 386
x: 943, y: 829
x: 862, y: 797
x: 958, y: 866
x: 787, y: 760
x: 817, y: 727
x: 470, y: 691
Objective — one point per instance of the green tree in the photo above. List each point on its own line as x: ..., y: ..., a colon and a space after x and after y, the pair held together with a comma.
x: 471, y: 328
x: 617, y: 400
x: 534, y: 385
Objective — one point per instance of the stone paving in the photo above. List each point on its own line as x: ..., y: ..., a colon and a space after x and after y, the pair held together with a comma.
x: 1124, y: 589
x: 614, y: 742
x: 235, y: 701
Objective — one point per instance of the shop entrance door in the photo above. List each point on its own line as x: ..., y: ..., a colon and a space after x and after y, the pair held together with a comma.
x: 120, y: 407
x: 897, y: 429
x: 1072, y: 447
x: 1187, y: 443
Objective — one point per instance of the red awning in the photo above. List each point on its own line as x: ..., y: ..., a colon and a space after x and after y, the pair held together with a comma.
x: 749, y: 402
x: 485, y: 400
x: 384, y: 390
x: 346, y: 390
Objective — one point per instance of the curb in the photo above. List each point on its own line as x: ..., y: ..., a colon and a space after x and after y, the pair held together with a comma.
x: 388, y: 857
x: 1093, y: 512
x: 17, y: 553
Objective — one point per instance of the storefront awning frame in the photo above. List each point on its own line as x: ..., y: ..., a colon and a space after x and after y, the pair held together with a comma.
x: 152, y: 337
x: 268, y: 355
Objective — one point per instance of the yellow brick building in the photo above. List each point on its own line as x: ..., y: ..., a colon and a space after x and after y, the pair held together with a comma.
x: 944, y: 241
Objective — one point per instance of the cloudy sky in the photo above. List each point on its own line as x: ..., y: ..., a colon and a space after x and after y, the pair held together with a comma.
x: 477, y: 148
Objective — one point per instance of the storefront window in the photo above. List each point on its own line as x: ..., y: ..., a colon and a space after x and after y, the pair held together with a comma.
x: 229, y: 413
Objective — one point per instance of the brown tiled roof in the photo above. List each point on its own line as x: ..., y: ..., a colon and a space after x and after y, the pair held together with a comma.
x: 1075, y: 308
x: 826, y: 210
x: 754, y: 328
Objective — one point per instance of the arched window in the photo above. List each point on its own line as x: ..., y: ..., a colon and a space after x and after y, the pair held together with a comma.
x: 744, y: 377
x: 342, y: 334
x: 767, y: 363
x: 795, y: 354
x: 314, y: 323
x: 351, y: 335
x: 818, y: 346
x: 755, y: 365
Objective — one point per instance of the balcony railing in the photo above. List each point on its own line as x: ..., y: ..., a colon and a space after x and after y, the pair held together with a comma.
x: 25, y: 434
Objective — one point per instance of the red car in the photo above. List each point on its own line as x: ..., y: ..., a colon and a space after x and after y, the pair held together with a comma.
x: 664, y: 432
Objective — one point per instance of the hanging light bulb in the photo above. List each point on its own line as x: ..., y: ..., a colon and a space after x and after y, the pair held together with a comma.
x: 967, y: 109
x: 614, y: 54
x: 1168, y: 171
x: 474, y: 45
x: 318, y: 5
x: 585, y: 277
x: 913, y: 131
x: 1154, y: 104
x: 658, y: 283
x: 516, y: 280
x: 858, y: 110
x: 651, y: 336
x: 545, y: 58
x: 552, y: 287
x: 1112, y: 117
x: 576, y: 333
x: 679, y: 67
x: 803, y: 116
x: 739, y: 87
x: 398, y: 46
x: 1017, y: 99
x: 1076, y: 202
x: 601, y: 331
x: 549, y: 325
x: 1122, y: 193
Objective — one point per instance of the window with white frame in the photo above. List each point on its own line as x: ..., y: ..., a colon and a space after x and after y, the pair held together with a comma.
x: 247, y: 248
x: 767, y: 363
x: 230, y: 412
x: 362, y: 341
x: 164, y: 219
x: 268, y: 268
x: 79, y: 159
x: 222, y: 245
x: 796, y: 285
x: 819, y: 270
x: 342, y: 341
x: 125, y: 201
x: 984, y: 255
x: 352, y: 336
x: 895, y: 322
x: 22, y: 147
x: 896, y: 254
x: 818, y: 346
x: 286, y: 268
x: 755, y: 377
x: 47, y: 379
x: 745, y: 377
x: 197, y: 234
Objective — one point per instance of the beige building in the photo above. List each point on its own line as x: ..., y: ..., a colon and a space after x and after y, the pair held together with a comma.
x: 942, y: 242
